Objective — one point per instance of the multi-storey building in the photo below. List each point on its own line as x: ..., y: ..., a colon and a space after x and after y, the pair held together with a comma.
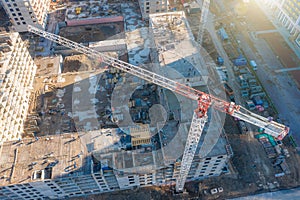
x: 288, y: 13
x: 153, y: 6
x: 105, y: 160
x: 24, y: 12
x: 175, y: 48
x: 61, y: 166
x: 16, y: 78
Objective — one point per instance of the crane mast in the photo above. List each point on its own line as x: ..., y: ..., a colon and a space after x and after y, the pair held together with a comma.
x: 203, y: 20
x: 200, y: 114
x: 192, y: 141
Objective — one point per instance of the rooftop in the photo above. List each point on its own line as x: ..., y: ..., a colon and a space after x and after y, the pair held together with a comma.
x: 175, y: 45
x: 177, y: 49
x: 109, y: 147
x: 41, y: 158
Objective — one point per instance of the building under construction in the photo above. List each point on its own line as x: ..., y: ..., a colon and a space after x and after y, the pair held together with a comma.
x: 149, y: 7
x: 89, y: 161
x: 22, y: 13
x: 16, y: 81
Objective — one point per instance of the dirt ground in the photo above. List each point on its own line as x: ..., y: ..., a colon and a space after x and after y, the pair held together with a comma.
x: 287, y: 56
x: 78, y: 63
x: 207, y: 43
x: 93, y: 33
x: 257, y: 19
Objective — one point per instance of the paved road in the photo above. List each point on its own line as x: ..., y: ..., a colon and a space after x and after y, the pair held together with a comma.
x: 227, y: 62
x: 280, y: 87
x: 293, y: 194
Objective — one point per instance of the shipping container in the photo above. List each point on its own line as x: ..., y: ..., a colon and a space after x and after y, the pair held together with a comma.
x: 240, y: 61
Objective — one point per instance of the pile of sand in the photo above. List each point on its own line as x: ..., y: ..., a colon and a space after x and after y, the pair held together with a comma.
x: 77, y: 63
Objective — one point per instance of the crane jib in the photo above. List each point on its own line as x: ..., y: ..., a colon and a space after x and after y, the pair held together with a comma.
x: 204, y: 100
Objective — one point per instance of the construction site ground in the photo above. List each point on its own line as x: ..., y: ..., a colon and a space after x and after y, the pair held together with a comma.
x: 287, y: 57
x: 259, y: 25
x: 77, y: 63
x: 93, y: 33
x: 251, y: 170
x: 50, y: 119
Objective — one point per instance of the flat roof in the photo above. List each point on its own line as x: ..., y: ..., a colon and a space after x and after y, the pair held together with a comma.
x: 176, y: 46
x: 177, y: 49
x: 29, y: 160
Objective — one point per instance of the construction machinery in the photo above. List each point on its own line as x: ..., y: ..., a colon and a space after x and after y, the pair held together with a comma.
x: 200, y: 114
x: 78, y: 10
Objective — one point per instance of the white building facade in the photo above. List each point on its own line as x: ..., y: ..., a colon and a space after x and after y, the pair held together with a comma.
x: 16, y: 78
x: 109, y: 180
x: 288, y: 13
x: 24, y: 12
x: 153, y: 6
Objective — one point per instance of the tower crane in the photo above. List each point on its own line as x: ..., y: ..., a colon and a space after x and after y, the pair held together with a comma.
x: 203, y: 19
x: 204, y: 100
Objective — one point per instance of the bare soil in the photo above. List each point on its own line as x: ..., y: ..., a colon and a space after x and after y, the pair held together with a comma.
x: 257, y: 21
x: 257, y: 18
x: 78, y: 63
x: 287, y: 56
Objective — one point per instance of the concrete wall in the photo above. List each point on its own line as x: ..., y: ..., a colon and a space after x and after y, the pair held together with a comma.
x: 109, y: 45
x: 94, y: 21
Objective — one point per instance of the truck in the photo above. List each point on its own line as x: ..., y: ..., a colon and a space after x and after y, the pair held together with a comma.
x: 229, y: 91
x: 257, y: 100
x: 240, y: 61
x: 253, y: 65
x: 250, y: 105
